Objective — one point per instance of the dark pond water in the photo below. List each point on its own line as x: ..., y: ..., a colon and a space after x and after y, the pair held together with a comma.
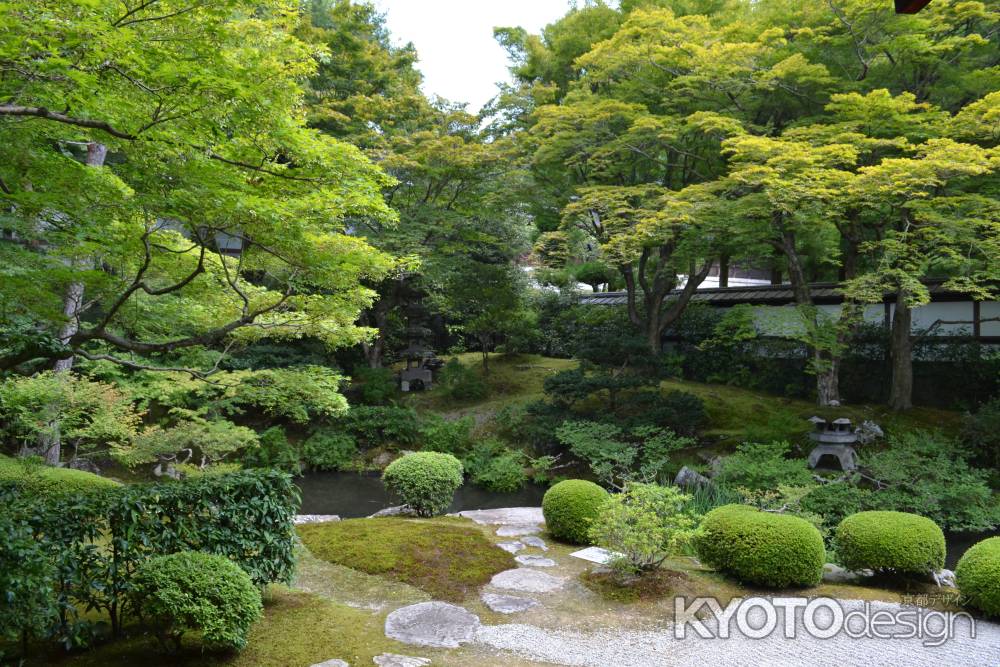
x: 353, y: 495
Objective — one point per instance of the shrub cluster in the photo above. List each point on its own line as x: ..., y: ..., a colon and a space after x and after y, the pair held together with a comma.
x: 890, y: 542
x: 978, y: 576
x: 764, y: 548
x: 426, y: 481
x: 570, y: 508
x: 327, y: 449
x: 93, y: 543
x: 36, y: 478
x: 189, y: 590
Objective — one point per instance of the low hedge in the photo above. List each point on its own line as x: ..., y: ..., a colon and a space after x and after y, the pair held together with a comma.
x: 764, y: 548
x: 426, y: 481
x: 896, y: 542
x: 196, y: 591
x: 978, y: 576
x: 570, y: 507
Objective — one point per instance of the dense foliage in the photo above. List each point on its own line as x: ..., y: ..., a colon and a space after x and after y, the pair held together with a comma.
x: 425, y: 481
x: 570, y: 509
x: 978, y: 576
x: 762, y: 548
x: 895, y: 542
x: 195, y: 591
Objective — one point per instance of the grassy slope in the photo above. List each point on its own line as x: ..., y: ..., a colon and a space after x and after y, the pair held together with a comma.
x: 735, y: 414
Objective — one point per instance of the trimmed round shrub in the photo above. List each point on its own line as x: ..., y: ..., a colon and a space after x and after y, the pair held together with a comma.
x: 570, y: 507
x: 896, y: 542
x: 426, y: 481
x: 763, y: 548
x: 978, y: 576
x: 34, y: 477
x: 195, y: 591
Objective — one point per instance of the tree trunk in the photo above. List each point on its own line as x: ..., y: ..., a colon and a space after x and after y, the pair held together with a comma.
x: 51, y: 446
x: 828, y: 380
x: 724, y: 270
x: 378, y: 317
x: 901, y: 349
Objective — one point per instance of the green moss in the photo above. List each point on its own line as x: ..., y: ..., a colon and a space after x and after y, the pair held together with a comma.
x: 978, y: 576
x: 890, y: 542
x: 448, y: 561
x: 570, y: 507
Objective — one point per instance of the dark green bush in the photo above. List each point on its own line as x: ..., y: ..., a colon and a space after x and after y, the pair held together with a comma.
x: 274, y: 451
x: 327, y: 449
x: 570, y: 507
x: 29, y: 600
x: 494, y: 466
x: 681, y: 412
x: 835, y: 501
x: 461, y: 382
x: 981, y: 434
x: 450, y: 436
x: 895, y: 542
x: 196, y: 591
x: 763, y: 548
x: 385, y: 426
x: 426, y: 481
x: 978, y: 576
x: 377, y: 385
x: 763, y: 467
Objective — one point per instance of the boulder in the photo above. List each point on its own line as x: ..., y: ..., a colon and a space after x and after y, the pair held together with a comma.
x: 944, y: 578
x: 526, y: 580
x: 435, y: 624
x: 691, y: 479
x: 507, y: 604
x: 397, y: 510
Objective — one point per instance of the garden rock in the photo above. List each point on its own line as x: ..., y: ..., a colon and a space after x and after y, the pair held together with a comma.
x: 511, y: 547
x: 331, y: 663
x: 314, y: 518
x: 518, y: 529
x: 527, y: 581
x: 835, y: 574
x: 868, y: 432
x: 536, y: 542
x: 505, y: 516
x: 396, y: 660
x: 435, y: 624
x: 397, y: 510
x: 535, y: 561
x: 945, y: 578
x: 688, y: 478
x: 507, y: 604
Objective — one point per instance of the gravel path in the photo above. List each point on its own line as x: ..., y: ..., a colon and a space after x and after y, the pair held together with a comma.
x: 660, y: 648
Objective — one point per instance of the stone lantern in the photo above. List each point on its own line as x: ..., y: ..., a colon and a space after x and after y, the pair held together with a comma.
x: 834, y: 438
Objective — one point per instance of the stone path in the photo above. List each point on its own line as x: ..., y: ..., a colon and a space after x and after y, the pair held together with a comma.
x: 434, y: 624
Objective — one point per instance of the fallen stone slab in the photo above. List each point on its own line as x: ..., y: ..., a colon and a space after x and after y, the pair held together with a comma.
x: 595, y: 555
x: 511, y: 547
x: 533, y: 541
x: 331, y: 663
x: 435, y: 624
x: 505, y: 515
x: 300, y: 519
x: 507, y: 604
x: 527, y: 581
x: 396, y: 660
x: 518, y: 529
x: 535, y: 561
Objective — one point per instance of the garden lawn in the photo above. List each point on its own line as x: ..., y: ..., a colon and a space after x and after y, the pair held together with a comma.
x: 444, y: 557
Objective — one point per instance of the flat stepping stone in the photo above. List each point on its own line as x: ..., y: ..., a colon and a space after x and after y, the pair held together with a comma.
x: 535, y: 561
x: 435, y: 624
x: 300, y: 519
x: 505, y: 516
x: 507, y: 604
x: 511, y: 547
x: 331, y: 663
x: 595, y: 555
x: 533, y: 541
x: 396, y: 660
x: 518, y: 529
x: 526, y: 580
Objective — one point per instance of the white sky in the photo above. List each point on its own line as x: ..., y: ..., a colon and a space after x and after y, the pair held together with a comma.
x: 459, y: 58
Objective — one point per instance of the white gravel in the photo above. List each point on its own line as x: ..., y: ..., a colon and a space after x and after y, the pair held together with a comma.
x: 659, y: 648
